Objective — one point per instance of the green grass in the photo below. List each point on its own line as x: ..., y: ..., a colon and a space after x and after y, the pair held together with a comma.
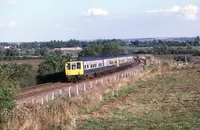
x: 171, y: 101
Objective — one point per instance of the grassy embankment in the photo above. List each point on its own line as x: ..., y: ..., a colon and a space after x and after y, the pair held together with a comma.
x: 167, y: 101
x: 150, y: 100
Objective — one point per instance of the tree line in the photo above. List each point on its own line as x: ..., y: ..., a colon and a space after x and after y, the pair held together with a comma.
x: 101, y: 50
x: 71, y: 43
x: 155, y: 43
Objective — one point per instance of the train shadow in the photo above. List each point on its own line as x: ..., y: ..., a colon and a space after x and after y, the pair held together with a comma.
x: 56, y: 77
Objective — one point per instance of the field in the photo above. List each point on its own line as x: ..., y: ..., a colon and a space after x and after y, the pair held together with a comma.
x: 170, y: 100
x: 34, y: 63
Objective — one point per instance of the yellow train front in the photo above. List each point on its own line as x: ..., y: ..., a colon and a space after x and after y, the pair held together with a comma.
x: 77, y: 70
x: 74, y: 70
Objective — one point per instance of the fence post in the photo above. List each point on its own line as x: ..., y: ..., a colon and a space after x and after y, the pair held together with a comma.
x: 70, y: 91
x: 73, y: 122
x: 52, y: 95
x: 33, y: 101
x: 77, y: 90
x: 60, y: 91
x: 47, y: 98
x: 90, y: 84
x: 84, y: 87
x: 42, y: 101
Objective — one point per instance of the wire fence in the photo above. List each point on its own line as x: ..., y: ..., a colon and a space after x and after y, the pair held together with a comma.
x: 81, y: 88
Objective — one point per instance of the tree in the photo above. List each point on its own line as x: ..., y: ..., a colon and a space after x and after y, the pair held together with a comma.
x: 53, y: 64
x: 111, y: 50
x: 198, y: 39
x: 88, y: 51
x: 12, y: 52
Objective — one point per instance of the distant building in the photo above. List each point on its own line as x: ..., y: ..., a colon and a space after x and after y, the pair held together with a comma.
x: 128, y: 43
x: 69, y: 49
x: 5, y: 47
x: 72, y: 51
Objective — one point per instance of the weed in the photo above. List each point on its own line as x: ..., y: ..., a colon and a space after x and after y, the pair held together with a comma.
x: 168, y: 101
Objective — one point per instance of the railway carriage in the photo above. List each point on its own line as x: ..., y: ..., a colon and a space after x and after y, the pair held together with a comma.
x: 92, y: 66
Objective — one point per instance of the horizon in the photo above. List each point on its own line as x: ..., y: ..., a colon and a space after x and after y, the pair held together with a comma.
x: 155, y: 38
x: 29, y: 21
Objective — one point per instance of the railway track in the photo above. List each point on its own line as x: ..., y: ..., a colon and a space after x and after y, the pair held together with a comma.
x: 40, y: 89
x: 43, y: 88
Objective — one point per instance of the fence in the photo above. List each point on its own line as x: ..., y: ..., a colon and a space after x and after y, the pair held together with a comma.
x: 81, y: 88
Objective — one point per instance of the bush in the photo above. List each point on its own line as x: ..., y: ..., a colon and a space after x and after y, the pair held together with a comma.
x: 52, y: 69
x: 8, y: 89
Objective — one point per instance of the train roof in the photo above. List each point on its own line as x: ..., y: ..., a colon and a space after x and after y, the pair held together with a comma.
x: 100, y: 58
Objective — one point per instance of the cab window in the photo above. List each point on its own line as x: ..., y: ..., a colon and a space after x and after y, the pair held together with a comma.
x: 78, y: 65
x: 73, y: 66
x: 68, y: 66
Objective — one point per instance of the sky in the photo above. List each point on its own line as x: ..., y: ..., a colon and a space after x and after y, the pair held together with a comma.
x: 45, y: 20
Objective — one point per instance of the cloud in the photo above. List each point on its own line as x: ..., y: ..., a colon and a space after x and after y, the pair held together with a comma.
x: 12, y: 24
x: 96, y: 12
x: 174, y: 9
x: 189, y: 12
x: 10, y: 2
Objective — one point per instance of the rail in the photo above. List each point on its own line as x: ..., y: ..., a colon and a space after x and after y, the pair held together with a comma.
x: 80, y: 88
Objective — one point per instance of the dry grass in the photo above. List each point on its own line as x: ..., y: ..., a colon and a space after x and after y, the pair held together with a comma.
x: 98, y: 105
x: 164, y: 101
x: 59, y: 113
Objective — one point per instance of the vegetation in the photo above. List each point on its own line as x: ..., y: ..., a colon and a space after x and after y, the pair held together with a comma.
x: 52, y: 68
x: 8, y: 88
x: 169, y: 101
x: 36, y: 50
x: 101, y: 50
x: 70, y: 43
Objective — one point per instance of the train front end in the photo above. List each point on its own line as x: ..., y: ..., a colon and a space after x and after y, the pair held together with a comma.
x: 74, y: 70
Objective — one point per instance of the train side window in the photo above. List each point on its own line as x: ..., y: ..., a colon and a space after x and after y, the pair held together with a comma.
x: 87, y: 66
x: 99, y: 64
x: 68, y: 66
x: 78, y: 65
x: 91, y: 66
x: 73, y: 66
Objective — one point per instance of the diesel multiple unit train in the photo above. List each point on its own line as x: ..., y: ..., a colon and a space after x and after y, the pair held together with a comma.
x: 93, y: 66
